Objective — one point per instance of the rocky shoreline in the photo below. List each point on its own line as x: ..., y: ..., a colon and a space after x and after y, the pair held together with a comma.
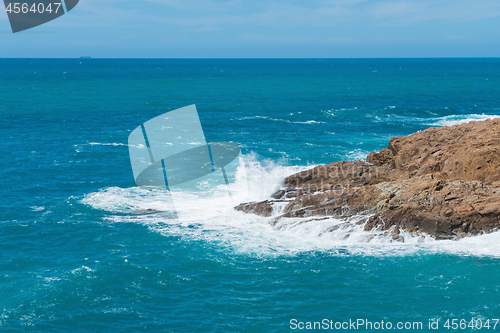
x: 444, y: 182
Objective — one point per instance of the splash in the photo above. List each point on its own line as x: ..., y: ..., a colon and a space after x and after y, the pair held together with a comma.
x: 459, y: 119
x: 251, y: 234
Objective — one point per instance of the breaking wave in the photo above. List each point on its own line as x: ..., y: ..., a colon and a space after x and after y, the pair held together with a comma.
x: 249, y: 233
x: 283, y: 120
x: 460, y: 119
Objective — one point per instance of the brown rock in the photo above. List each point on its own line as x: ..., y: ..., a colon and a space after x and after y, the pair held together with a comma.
x: 441, y: 181
x: 259, y: 208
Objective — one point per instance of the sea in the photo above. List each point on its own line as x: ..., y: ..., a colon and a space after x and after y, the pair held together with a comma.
x: 76, y: 254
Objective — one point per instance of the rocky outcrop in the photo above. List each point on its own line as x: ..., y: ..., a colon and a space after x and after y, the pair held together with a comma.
x: 441, y: 181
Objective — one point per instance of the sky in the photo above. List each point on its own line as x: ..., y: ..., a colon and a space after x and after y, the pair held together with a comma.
x: 263, y: 29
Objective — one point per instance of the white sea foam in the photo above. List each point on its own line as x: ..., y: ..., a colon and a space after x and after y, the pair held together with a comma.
x: 357, y: 154
x: 459, y: 119
x: 252, y: 234
x: 448, y: 120
x: 107, y: 144
x: 309, y: 122
x: 124, y: 200
x: 283, y: 120
x: 83, y: 269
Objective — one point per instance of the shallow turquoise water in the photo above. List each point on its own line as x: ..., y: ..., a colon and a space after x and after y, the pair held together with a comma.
x: 72, y: 257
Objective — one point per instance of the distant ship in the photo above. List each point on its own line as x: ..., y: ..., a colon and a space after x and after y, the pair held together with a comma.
x: 85, y: 57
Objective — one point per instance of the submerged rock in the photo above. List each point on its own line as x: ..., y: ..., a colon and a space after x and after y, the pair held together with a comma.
x: 441, y: 181
x: 148, y: 211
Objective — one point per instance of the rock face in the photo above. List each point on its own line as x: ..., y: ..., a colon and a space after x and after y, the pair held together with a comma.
x: 441, y: 181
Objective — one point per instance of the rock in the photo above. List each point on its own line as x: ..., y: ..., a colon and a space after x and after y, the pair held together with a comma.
x: 147, y: 211
x: 467, y: 151
x: 278, y: 194
x: 441, y: 181
x: 260, y: 208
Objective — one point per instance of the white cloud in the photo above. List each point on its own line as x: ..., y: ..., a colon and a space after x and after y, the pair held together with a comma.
x: 363, y: 26
x: 295, y: 39
x: 211, y: 15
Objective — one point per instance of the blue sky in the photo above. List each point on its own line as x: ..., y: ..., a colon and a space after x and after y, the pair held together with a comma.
x: 263, y: 29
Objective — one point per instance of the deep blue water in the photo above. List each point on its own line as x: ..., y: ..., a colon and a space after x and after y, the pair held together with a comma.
x: 72, y: 258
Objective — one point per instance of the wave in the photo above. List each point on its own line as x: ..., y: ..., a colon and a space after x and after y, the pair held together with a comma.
x: 392, y: 118
x: 459, y: 119
x: 308, y: 122
x: 356, y: 155
x: 251, y: 234
x: 107, y: 144
x: 283, y: 120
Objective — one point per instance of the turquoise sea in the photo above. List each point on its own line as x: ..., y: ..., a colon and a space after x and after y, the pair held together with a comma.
x: 74, y: 256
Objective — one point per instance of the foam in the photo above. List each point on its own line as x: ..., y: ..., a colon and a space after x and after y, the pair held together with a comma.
x: 459, y: 119
x: 309, y: 122
x: 448, y: 120
x: 251, y: 234
x: 356, y: 155
x: 283, y: 120
x: 126, y: 200
x: 107, y: 144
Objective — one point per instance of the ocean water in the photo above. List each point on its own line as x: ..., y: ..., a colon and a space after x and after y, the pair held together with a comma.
x: 74, y: 256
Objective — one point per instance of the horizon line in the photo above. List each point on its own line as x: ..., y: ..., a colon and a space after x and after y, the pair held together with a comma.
x: 244, y: 58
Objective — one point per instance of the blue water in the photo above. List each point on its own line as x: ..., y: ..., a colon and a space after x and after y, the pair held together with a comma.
x: 74, y: 258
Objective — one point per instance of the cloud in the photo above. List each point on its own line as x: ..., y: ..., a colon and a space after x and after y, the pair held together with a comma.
x: 446, y: 11
x: 198, y: 25
x: 295, y: 39
x: 214, y: 15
